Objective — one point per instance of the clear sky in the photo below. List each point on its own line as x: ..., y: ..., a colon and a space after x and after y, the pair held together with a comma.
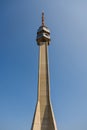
x: 19, y: 21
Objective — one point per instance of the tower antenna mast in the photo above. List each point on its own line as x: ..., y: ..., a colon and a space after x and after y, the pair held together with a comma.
x: 43, y: 23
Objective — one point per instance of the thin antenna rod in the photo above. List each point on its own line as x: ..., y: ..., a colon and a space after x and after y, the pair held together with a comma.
x: 42, y: 18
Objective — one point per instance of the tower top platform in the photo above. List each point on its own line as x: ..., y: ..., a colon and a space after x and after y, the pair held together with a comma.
x: 43, y: 33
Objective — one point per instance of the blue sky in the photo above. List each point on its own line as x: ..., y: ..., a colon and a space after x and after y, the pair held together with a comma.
x: 19, y: 21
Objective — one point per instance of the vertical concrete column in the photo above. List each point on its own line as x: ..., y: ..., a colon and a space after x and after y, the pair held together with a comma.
x: 43, y: 79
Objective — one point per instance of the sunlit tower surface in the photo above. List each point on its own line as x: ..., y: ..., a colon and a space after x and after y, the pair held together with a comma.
x: 43, y: 116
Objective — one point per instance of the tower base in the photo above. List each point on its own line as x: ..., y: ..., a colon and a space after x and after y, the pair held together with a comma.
x: 44, y: 120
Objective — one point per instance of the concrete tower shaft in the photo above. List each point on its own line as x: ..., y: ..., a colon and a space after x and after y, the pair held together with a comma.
x: 43, y: 116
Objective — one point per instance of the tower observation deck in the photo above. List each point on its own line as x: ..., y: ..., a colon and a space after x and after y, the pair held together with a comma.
x: 43, y: 117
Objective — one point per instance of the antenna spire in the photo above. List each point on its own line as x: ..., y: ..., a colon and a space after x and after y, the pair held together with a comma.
x: 43, y: 18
